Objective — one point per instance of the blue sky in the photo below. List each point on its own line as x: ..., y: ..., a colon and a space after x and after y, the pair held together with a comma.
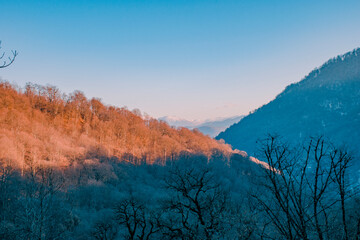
x: 192, y: 59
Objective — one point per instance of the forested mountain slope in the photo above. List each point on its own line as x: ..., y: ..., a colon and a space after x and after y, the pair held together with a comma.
x: 73, y: 168
x: 40, y: 125
x: 326, y: 102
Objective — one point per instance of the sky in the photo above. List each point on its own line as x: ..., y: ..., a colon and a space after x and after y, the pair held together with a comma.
x: 191, y: 59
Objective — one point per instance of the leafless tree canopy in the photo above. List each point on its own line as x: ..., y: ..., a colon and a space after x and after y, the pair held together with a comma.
x: 306, y: 196
x: 139, y: 221
x: 7, y: 60
x: 199, y: 203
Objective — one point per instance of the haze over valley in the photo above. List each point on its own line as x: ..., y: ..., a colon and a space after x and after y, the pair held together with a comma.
x: 211, y: 127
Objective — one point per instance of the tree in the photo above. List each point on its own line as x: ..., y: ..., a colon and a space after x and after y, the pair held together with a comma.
x: 42, y: 213
x: 139, y: 222
x: 197, y: 207
x: 305, y: 189
x: 9, y: 60
x: 105, y: 229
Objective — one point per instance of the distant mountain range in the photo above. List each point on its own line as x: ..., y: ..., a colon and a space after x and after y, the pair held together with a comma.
x: 326, y: 102
x: 211, y: 127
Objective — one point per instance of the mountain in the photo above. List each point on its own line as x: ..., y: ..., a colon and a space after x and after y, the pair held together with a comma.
x: 207, y: 127
x: 213, y: 128
x: 180, y: 122
x: 326, y: 102
x: 41, y: 126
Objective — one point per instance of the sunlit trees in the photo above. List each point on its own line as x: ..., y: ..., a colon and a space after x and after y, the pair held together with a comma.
x: 68, y: 127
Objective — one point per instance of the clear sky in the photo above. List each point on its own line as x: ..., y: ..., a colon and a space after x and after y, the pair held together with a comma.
x: 192, y: 59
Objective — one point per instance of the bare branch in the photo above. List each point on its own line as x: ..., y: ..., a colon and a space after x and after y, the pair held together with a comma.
x: 10, y: 60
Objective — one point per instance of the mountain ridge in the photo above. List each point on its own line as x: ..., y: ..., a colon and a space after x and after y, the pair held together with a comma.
x: 325, y: 102
x: 211, y: 127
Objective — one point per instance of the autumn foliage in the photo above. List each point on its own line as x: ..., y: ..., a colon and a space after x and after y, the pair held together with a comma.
x: 41, y: 126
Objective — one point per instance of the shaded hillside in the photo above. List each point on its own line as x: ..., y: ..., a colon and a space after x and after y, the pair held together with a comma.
x: 40, y: 125
x: 327, y: 102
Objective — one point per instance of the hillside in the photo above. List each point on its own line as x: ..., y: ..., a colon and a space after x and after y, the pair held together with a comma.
x: 40, y: 125
x: 326, y: 102
x: 72, y: 168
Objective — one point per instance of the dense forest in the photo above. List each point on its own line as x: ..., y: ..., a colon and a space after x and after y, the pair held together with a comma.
x: 73, y: 168
x: 191, y: 198
x: 41, y: 126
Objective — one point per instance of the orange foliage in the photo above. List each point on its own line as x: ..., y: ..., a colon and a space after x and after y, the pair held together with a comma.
x: 41, y: 126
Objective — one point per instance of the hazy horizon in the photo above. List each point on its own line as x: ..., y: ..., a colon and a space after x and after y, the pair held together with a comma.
x: 194, y: 60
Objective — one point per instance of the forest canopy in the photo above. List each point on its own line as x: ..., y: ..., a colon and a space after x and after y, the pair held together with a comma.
x: 40, y: 125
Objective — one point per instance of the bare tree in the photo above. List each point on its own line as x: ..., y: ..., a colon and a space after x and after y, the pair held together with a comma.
x: 42, y: 215
x: 299, y: 194
x: 6, y: 173
x: 139, y: 222
x: 340, y: 173
x: 198, y: 204
x: 105, y: 230
x: 9, y: 60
